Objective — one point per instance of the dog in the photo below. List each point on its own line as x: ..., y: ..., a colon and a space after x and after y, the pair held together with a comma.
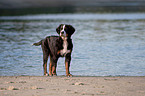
x: 57, y: 46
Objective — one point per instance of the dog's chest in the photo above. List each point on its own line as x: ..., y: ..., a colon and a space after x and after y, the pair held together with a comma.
x: 64, y: 51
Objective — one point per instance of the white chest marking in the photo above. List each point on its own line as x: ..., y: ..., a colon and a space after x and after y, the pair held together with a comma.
x: 64, y: 51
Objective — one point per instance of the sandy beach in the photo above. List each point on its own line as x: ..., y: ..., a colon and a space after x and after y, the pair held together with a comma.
x: 71, y: 86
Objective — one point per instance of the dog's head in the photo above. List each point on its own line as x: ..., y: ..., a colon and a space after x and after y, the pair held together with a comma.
x: 65, y: 30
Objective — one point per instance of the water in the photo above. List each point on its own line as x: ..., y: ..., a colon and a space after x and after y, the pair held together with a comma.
x: 104, y: 44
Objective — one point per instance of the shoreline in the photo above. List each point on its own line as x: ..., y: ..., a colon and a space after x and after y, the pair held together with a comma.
x: 22, y: 7
x: 72, y: 86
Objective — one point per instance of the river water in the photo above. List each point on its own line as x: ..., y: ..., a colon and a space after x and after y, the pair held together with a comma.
x: 104, y: 44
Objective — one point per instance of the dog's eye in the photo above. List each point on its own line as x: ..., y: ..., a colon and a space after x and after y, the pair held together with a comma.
x: 62, y: 28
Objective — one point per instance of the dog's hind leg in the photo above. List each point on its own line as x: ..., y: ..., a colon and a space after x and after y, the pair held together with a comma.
x: 52, y: 66
x: 45, y: 58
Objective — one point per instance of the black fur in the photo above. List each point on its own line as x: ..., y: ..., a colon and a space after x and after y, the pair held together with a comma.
x: 52, y: 45
x: 69, y: 29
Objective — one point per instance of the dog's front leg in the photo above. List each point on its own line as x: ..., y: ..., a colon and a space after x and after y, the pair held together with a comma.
x: 67, y: 65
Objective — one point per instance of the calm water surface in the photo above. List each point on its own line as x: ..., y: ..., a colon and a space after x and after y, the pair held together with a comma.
x: 104, y: 44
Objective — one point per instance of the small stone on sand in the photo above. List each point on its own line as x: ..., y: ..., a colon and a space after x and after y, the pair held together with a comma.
x: 78, y: 83
x: 12, y: 88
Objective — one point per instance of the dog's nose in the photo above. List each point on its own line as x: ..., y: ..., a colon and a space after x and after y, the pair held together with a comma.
x: 62, y: 32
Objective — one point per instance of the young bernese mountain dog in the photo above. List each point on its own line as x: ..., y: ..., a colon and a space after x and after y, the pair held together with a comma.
x: 57, y: 46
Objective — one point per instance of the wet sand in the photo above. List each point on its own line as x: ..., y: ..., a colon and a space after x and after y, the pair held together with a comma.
x: 71, y: 86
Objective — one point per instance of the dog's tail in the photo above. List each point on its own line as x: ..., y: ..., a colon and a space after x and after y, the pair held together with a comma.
x: 38, y: 43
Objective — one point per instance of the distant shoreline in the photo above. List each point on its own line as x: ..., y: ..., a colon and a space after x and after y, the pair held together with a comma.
x: 5, y: 4
x: 21, y: 7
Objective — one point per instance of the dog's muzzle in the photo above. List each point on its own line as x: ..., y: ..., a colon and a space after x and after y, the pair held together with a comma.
x: 63, y: 33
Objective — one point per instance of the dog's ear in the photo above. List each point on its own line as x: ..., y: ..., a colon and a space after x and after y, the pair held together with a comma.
x: 71, y: 29
x: 58, y: 28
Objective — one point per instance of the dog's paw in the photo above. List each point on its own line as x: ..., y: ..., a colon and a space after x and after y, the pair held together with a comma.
x: 50, y: 75
x: 69, y: 75
x: 46, y: 74
x: 54, y: 75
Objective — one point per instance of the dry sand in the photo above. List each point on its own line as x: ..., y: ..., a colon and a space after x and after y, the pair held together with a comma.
x: 71, y: 86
